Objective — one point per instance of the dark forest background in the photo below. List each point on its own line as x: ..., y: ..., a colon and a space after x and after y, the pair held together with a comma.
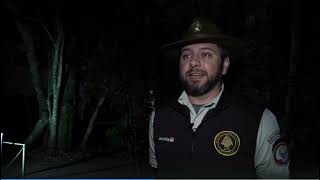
x: 111, y: 55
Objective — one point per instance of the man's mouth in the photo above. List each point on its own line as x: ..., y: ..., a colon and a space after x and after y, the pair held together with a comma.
x: 196, y: 75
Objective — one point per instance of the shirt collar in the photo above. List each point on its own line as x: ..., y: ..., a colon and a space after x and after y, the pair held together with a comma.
x: 184, y: 99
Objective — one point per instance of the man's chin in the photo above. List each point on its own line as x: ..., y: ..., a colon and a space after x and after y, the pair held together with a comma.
x: 195, y: 90
x: 195, y: 83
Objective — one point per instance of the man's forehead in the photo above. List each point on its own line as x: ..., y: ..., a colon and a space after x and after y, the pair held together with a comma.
x: 200, y: 46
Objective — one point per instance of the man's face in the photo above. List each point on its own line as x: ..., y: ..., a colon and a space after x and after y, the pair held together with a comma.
x: 201, y: 67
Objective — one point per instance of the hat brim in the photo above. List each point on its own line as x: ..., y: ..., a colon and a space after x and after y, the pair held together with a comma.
x: 225, y: 41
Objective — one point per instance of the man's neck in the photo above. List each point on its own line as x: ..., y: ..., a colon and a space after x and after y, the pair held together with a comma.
x: 208, y: 97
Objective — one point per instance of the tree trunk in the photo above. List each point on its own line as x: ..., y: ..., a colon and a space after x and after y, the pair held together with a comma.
x: 55, y: 84
x: 134, y: 134
x: 67, y: 113
x: 91, y: 122
x: 37, y: 84
x: 38, y: 128
x: 291, y: 93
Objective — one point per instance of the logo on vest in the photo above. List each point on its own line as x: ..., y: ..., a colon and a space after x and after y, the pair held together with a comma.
x: 227, y: 143
x: 167, y: 139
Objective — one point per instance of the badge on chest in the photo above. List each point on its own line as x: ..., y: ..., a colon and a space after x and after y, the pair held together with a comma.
x: 226, y: 143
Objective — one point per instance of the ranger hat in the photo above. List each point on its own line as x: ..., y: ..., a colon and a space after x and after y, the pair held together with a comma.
x: 202, y: 30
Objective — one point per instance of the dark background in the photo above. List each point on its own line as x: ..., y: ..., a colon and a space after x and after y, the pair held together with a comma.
x: 123, y: 37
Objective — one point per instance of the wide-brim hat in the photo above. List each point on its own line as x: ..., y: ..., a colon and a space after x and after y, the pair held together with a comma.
x: 202, y: 30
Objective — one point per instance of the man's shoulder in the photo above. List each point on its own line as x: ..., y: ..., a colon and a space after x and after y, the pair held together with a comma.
x: 170, y: 104
x: 166, y: 101
x: 244, y: 102
x: 247, y: 99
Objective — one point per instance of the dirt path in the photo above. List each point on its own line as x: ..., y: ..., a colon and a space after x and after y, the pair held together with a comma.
x: 102, y: 166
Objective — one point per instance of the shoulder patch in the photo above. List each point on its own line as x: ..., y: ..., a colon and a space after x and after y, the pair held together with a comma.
x: 280, y: 151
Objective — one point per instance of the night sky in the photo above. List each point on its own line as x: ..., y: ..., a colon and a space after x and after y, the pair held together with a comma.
x: 120, y: 40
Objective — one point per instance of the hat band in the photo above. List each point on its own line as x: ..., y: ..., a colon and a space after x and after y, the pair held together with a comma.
x: 200, y: 36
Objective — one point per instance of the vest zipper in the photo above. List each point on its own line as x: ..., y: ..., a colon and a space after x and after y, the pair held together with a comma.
x: 193, y: 143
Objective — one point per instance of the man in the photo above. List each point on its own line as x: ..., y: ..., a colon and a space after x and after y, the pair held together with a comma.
x: 208, y: 132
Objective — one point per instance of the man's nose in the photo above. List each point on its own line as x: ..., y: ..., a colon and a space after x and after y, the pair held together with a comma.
x: 195, y: 61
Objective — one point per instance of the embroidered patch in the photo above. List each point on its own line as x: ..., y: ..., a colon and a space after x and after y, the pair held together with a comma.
x: 280, y: 152
x: 274, y: 136
x: 227, y: 143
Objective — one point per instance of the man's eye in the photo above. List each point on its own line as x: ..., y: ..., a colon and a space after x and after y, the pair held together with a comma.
x: 206, y: 55
x: 186, y: 56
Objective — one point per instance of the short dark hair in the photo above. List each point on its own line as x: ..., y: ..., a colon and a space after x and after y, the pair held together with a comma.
x: 224, y: 52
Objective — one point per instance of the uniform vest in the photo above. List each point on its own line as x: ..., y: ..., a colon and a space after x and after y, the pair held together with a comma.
x: 223, y: 146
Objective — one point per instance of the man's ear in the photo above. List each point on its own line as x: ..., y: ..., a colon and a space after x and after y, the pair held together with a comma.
x: 225, y: 67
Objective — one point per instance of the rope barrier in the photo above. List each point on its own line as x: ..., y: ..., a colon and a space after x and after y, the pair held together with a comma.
x: 22, y: 150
